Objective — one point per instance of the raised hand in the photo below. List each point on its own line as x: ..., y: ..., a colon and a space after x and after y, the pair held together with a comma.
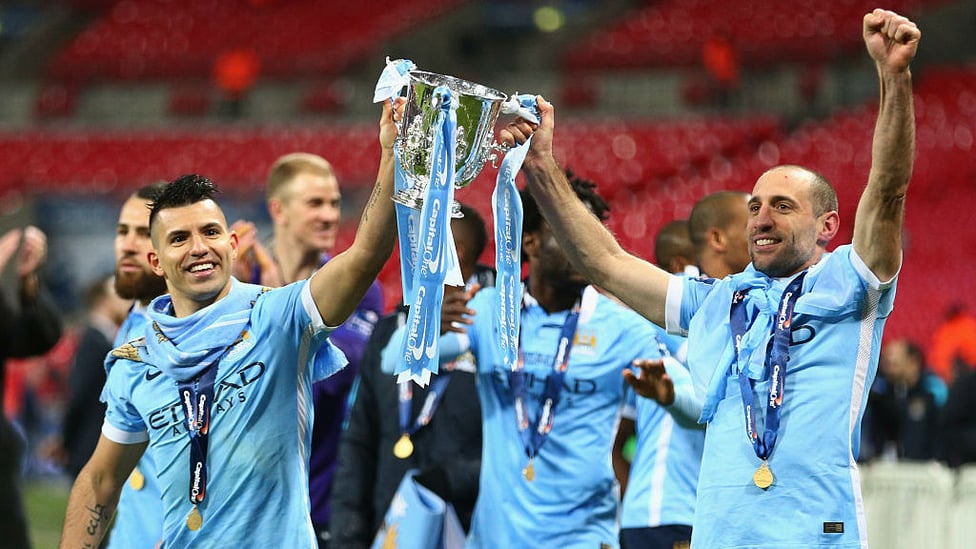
x: 9, y: 243
x: 392, y: 113
x: 455, y: 314
x: 33, y: 251
x: 520, y: 130
x: 653, y: 382
x: 251, y: 253
x: 891, y: 39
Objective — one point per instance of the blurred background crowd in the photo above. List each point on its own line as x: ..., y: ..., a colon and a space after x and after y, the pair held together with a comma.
x: 660, y: 102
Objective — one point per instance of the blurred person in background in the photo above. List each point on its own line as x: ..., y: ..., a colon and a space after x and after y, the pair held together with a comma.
x: 903, y: 417
x: 30, y: 327
x: 444, y: 430
x: 305, y: 205
x: 717, y: 228
x: 85, y: 413
x: 959, y: 421
x: 953, y: 347
x: 139, y: 516
x: 674, y: 250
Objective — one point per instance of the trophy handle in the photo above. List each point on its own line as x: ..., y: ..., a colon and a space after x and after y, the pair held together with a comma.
x: 522, y: 105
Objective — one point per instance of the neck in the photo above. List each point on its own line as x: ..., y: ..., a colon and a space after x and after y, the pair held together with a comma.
x: 551, y: 298
x: 296, y: 263
x: 714, y: 267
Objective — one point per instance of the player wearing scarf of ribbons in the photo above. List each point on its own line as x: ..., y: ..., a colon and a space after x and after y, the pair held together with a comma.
x: 782, y: 354
x: 218, y: 386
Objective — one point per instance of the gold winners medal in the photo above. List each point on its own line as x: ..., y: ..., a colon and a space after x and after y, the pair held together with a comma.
x: 763, y: 477
x: 137, y: 480
x: 194, y: 520
x: 403, y: 447
x: 529, y: 471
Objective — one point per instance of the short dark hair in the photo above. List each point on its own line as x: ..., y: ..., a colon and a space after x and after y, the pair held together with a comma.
x: 713, y: 211
x: 585, y: 190
x: 151, y: 191
x: 672, y: 241
x: 914, y: 351
x: 182, y: 191
x: 823, y: 197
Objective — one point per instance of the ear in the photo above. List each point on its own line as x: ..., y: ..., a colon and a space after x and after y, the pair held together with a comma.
x: 275, y: 210
x: 154, y: 263
x: 234, y: 243
x: 828, y: 225
x: 530, y: 244
x: 715, y: 238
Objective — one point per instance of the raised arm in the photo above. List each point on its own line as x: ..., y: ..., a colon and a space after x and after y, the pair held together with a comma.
x: 340, y: 284
x: 588, y: 244
x: 36, y: 326
x: 95, y: 493
x: 892, y: 41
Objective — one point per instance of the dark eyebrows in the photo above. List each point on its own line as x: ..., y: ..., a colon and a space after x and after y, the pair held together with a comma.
x: 203, y: 228
x: 773, y: 199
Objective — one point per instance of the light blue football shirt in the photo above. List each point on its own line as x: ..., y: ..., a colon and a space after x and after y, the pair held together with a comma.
x: 572, y: 501
x: 664, y: 474
x: 836, y: 329
x: 139, y: 516
x: 257, y: 491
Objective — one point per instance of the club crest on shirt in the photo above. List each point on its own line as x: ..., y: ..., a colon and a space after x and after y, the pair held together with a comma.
x: 584, y: 342
x: 243, y: 343
x: 128, y: 351
x: 264, y: 290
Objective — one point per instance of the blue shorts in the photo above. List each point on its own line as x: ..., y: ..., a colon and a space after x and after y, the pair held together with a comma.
x: 670, y: 536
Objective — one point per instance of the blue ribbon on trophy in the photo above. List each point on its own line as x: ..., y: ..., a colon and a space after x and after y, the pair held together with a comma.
x: 394, y: 78
x: 444, y: 140
x: 420, y: 354
x: 506, y: 206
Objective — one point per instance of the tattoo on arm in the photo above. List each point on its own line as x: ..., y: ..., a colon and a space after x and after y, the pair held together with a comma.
x: 98, y: 517
x: 377, y: 190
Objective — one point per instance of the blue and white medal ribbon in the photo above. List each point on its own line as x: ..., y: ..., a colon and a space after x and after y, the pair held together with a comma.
x: 777, y: 357
x: 423, y: 321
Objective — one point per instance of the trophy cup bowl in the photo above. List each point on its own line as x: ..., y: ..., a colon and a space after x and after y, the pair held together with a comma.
x: 478, y: 109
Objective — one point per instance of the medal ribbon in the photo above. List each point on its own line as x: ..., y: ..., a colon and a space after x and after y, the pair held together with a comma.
x: 534, y: 440
x: 506, y: 207
x: 196, y: 398
x: 777, y: 356
x: 405, y: 398
x: 423, y: 321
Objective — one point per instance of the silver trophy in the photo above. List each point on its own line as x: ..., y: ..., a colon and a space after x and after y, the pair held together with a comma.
x: 478, y: 109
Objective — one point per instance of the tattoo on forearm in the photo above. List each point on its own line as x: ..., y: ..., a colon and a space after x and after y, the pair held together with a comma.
x: 98, y: 517
x: 377, y: 190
